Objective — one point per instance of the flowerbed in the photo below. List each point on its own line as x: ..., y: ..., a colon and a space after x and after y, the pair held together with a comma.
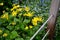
x: 17, y: 22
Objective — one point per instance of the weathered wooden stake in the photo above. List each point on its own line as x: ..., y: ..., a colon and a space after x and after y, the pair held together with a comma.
x: 52, y: 22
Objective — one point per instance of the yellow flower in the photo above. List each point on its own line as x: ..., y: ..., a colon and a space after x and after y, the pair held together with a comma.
x: 35, y: 20
x: 13, y: 23
x: 5, y: 16
x: 5, y: 35
x: 18, y: 6
x: 26, y: 28
x: 1, y: 4
x: 14, y: 4
x: 14, y: 13
x: 18, y: 10
x: 30, y: 26
x: 25, y: 14
x: 15, y: 7
x: 12, y: 9
x: 34, y: 23
x: 28, y: 14
x: 27, y: 9
x: 0, y: 31
x: 40, y: 19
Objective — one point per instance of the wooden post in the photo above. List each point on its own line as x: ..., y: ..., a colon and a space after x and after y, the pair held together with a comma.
x: 52, y: 22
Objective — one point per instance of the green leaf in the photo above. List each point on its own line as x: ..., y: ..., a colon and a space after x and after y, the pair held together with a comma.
x: 26, y: 21
x: 16, y: 20
x: 10, y: 27
x: 14, y: 34
x: 19, y: 39
x: 17, y: 27
x: 22, y: 26
x: 27, y: 38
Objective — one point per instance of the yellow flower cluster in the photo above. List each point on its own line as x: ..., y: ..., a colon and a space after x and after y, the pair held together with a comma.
x: 5, y: 16
x: 27, y: 27
x: 29, y: 14
x: 36, y: 19
x: 14, y: 13
x: 5, y: 35
x: 27, y: 9
x: 1, y: 4
x: 16, y: 8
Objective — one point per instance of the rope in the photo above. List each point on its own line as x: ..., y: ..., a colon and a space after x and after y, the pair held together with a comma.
x: 40, y: 28
x: 45, y: 35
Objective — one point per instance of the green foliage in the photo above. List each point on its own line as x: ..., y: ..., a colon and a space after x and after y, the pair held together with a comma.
x: 13, y: 35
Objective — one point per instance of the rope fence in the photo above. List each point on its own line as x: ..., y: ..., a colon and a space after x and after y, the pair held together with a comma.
x: 46, y: 34
x: 41, y: 29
